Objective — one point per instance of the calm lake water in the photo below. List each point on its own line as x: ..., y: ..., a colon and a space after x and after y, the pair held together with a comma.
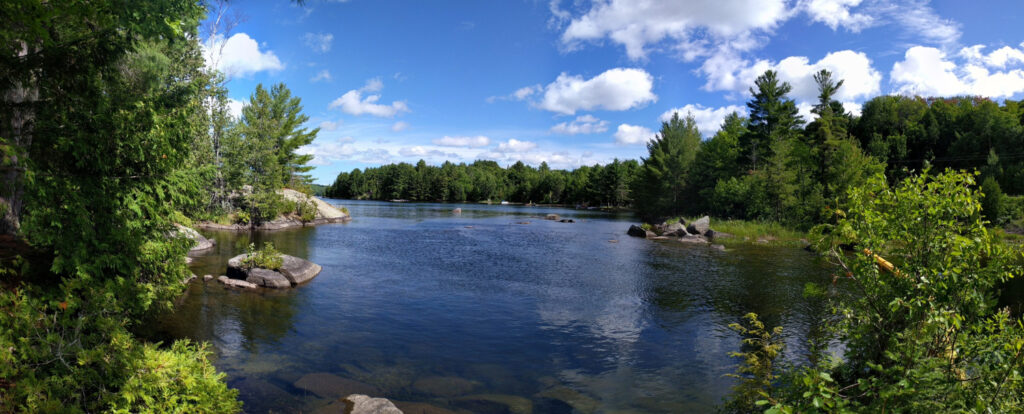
x: 495, y: 306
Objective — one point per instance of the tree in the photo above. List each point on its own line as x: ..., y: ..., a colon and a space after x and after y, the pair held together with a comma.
x: 773, y: 117
x: 717, y: 159
x: 662, y: 179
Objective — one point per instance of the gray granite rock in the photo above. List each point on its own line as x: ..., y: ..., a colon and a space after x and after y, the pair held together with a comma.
x: 363, y: 404
x: 699, y: 226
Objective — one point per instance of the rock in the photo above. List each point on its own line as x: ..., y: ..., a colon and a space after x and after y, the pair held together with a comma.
x: 554, y: 217
x: 267, y: 278
x: 580, y: 403
x: 188, y: 260
x: 457, y: 211
x: 444, y: 386
x: 659, y: 238
x: 495, y: 403
x: 567, y: 221
x: 421, y: 408
x: 189, y: 279
x: 718, y: 247
x: 207, y: 278
x: 299, y: 270
x: 362, y: 404
x: 202, y: 243
x: 236, y: 283
x: 712, y: 234
x: 650, y: 234
x: 636, y: 231
x: 699, y: 226
x: 323, y: 209
x: 293, y: 269
x: 252, y: 389
x: 332, y: 386
x: 674, y: 230
x: 690, y: 238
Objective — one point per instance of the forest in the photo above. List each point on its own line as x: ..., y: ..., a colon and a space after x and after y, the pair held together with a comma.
x: 771, y: 166
x: 114, y: 130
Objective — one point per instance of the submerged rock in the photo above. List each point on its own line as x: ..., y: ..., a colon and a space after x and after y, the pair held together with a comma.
x: 444, y: 386
x: 700, y: 226
x: 495, y: 403
x: 718, y: 247
x: 693, y: 239
x: 362, y: 404
x: 327, y: 385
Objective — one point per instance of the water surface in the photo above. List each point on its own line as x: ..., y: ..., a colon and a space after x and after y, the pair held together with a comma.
x: 573, y: 317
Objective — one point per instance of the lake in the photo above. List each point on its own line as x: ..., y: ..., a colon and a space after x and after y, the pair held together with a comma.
x: 495, y: 309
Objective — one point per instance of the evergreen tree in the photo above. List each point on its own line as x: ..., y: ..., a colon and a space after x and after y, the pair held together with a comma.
x: 662, y: 179
x: 773, y: 118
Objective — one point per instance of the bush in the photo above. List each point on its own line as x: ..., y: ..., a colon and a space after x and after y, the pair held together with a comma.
x: 922, y: 331
x: 267, y: 258
x: 176, y: 380
x: 992, y: 201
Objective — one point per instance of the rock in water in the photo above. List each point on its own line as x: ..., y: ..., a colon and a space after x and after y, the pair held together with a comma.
x: 457, y: 211
x: 674, y: 230
x: 636, y: 231
x: 236, y: 283
x: 293, y: 271
x: 700, y: 226
x: 332, y: 386
x: 690, y: 238
x: 267, y: 278
x: 444, y: 386
x: 362, y: 404
x: 202, y: 243
x: 554, y: 217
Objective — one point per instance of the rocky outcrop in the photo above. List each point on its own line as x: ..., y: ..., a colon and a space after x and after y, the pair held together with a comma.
x: 202, y: 244
x: 293, y: 271
x: 363, y: 404
x: 700, y: 226
x: 325, y: 214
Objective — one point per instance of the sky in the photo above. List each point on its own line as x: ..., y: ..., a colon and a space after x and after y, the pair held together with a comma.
x: 578, y: 82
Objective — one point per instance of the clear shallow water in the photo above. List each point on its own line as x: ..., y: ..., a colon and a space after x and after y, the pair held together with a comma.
x: 552, y: 312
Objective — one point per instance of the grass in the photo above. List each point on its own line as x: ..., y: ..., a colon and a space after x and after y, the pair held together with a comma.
x: 748, y: 232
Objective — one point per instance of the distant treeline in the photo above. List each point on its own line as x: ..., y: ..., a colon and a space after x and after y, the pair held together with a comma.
x: 606, y: 185
x: 772, y: 165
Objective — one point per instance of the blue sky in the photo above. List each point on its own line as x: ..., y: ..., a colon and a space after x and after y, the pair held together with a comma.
x: 575, y: 82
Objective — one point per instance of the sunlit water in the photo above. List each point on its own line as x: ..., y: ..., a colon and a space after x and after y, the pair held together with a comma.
x: 574, y: 317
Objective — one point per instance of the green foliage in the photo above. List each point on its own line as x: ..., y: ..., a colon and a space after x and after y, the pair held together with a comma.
x: 922, y: 332
x: 175, y: 380
x: 243, y: 217
x: 992, y: 200
x: 661, y: 183
x: 266, y: 258
x: 757, y: 371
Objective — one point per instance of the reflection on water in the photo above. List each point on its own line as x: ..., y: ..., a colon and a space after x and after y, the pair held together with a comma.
x: 482, y: 312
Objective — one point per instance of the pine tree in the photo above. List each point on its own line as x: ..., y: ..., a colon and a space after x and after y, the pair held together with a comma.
x: 662, y: 179
x: 773, y: 118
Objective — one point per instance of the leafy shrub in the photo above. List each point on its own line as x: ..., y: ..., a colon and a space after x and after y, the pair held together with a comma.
x: 756, y: 372
x: 992, y: 201
x: 922, y: 332
x: 306, y: 210
x: 267, y: 258
x: 647, y: 226
x: 180, y: 218
x: 243, y: 217
x: 176, y: 380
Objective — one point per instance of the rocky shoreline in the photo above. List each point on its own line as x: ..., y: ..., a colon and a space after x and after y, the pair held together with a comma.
x: 696, y: 232
x: 325, y: 214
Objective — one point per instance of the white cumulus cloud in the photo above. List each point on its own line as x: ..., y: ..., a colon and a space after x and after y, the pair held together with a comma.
x: 928, y: 71
x: 836, y: 13
x: 472, y: 142
x: 515, y: 145
x: 616, y: 89
x: 353, y: 102
x: 632, y: 134
x: 709, y: 120
x: 239, y: 55
x: 586, y: 124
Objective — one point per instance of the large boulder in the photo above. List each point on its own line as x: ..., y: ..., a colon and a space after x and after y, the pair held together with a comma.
x: 700, y: 226
x: 636, y: 231
x: 362, y: 404
x: 293, y: 271
x: 673, y: 230
x: 324, y: 212
x: 202, y: 243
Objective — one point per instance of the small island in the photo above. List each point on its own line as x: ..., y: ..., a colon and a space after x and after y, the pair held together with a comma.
x: 268, y: 268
